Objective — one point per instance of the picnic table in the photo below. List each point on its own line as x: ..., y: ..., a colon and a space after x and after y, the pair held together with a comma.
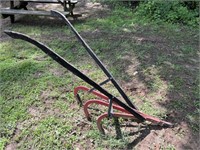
x: 20, y: 7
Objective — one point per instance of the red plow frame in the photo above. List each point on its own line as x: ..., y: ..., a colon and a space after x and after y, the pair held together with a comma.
x: 104, y: 101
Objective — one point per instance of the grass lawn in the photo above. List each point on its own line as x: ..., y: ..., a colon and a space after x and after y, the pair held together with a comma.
x: 156, y: 63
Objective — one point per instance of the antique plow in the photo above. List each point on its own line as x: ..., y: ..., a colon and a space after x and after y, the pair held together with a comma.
x: 124, y: 110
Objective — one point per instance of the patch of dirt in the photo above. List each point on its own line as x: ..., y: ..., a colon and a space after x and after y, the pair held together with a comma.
x: 11, y: 146
x: 45, y: 94
x: 57, y: 71
x: 38, y: 74
x: 33, y: 111
x: 41, y: 57
x: 91, y: 9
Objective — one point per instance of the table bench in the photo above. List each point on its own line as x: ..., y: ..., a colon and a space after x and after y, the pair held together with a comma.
x: 21, y: 8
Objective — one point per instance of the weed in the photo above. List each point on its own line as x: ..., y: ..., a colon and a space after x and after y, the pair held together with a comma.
x: 3, y: 142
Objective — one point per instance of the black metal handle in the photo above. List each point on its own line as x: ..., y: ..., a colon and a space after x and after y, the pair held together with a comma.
x: 96, y: 59
x: 110, y: 108
x: 71, y: 68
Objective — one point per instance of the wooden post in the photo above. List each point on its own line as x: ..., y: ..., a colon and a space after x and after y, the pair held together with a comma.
x: 65, y: 5
x: 12, y: 17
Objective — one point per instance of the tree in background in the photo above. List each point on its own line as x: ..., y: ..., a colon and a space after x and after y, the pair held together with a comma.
x: 183, y: 12
x: 170, y: 11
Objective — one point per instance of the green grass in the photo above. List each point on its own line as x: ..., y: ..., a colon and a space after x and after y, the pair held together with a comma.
x: 37, y: 106
x: 48, y: 133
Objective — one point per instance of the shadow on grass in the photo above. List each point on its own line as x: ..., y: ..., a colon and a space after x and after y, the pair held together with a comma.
x: 175, y: 61
x: 163, y: 56
x: 144, y: 132
x: 177, y: 64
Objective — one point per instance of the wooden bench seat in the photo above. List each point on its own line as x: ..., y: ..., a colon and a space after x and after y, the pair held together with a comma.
x: 21, y: 8
x: 43, y: 1
x: 48, y: 1
x: 27, y: 12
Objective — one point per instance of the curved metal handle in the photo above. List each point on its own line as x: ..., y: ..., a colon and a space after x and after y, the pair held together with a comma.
x: 71, y: 68
x: 96, y: 59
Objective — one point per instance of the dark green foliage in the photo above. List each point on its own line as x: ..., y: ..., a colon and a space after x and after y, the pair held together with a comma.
x: 177, y: 11
x: 131, y: 4
x: 192, y: 4
x: 170, y: 11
